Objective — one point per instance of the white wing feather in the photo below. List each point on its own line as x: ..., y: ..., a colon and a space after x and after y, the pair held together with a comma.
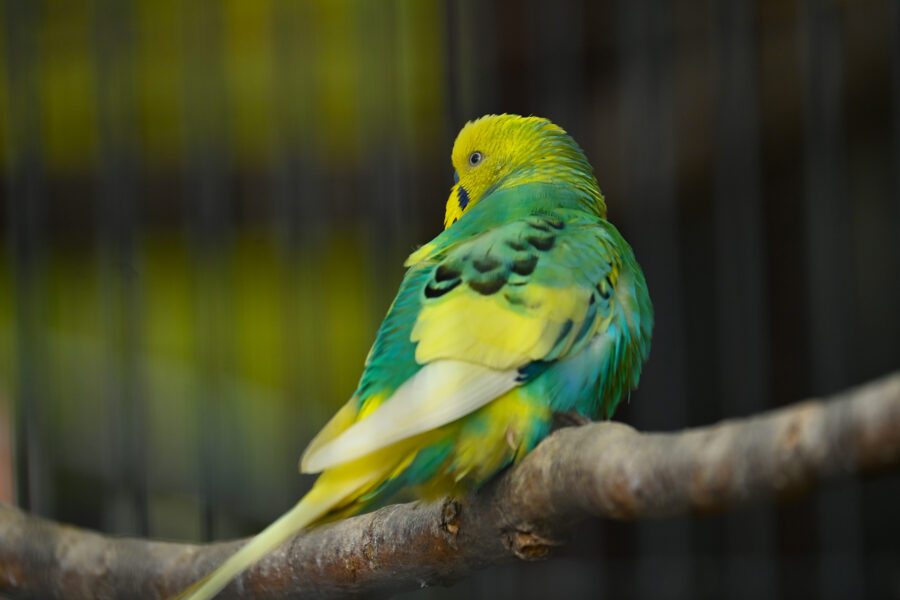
x: 439, y: 393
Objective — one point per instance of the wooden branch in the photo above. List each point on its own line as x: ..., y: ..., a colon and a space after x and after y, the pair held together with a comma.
x: 602, y: 469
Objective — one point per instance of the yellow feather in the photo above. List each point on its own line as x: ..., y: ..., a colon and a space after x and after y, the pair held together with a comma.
x: 419, y: 255
x: 344, y: 418
x: 480, y: 450
x: 369, y: 406
x: 334, y: 489
x: 487, y: 330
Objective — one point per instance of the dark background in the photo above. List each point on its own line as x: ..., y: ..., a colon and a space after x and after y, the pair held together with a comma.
x: 207, y: 206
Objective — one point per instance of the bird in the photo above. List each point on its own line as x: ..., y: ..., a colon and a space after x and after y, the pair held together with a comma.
x: 528, y: 305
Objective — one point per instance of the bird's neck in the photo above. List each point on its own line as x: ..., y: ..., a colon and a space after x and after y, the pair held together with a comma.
x: 561, y: 174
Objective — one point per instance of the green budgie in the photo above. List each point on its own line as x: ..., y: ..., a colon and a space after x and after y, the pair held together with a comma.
x: 529, y: 303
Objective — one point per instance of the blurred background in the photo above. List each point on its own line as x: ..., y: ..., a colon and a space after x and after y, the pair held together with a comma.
x: 207, y: 206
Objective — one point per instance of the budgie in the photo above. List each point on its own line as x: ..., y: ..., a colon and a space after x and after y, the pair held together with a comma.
x: 528, y: 304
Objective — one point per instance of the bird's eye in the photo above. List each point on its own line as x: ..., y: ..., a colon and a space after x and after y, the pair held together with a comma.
x: 475, y: 158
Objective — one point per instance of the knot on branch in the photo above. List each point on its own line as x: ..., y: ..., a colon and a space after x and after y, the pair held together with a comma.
x: 527, y: 544
x: 451, y: 512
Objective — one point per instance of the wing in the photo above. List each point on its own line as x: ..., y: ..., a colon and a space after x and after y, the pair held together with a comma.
x: 532, y: 290
x: 471, y: 321
x: 441, y: 392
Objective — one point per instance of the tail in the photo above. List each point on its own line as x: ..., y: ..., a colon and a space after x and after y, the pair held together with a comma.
x: 310, y: 508
x: 334, y: 489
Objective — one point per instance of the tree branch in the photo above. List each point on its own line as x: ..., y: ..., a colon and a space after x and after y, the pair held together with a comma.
x: 602, y: 469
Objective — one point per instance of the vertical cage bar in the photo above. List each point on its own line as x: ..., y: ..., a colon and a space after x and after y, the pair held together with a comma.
x: 117, y: 219
x: 479, y: 75
x: 556, y: 52
x: 208, y: 224
x: 27, y: 222
x: 740, y: 285
x: 828, y: 242
x: 650, y: 222
x: 297, y: 186
x: 453, y: 42
x: 829, y: 248
x: 894, y: 25
x: 385, y: 162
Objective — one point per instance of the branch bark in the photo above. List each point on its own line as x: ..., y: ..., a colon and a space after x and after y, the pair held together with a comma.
x: 601, y: 469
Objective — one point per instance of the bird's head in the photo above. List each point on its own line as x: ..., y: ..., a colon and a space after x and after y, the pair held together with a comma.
x: 501, y: 151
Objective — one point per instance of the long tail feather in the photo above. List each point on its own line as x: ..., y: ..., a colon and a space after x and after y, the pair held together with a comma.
x: 332, y: 490
x: 308, y: 510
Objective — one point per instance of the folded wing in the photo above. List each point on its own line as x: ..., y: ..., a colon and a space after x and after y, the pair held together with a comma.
x: 470, y: 323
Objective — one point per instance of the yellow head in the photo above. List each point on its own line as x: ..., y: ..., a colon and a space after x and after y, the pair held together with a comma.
x: 500, y: 151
